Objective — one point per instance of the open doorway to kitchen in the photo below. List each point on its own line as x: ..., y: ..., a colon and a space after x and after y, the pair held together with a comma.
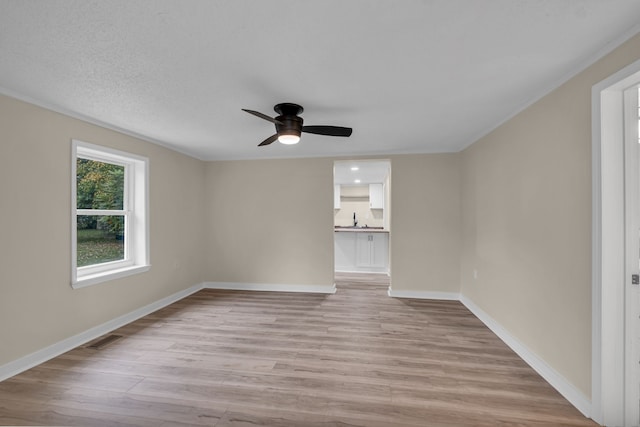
x: 362, y: 215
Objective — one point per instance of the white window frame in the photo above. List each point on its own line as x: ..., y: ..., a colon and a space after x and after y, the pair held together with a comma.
x: 135, y: 210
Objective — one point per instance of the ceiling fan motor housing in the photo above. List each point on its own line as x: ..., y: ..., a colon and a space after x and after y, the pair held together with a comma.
x: 288, y: 109
x: 291, y: 125
x: 288, y: 115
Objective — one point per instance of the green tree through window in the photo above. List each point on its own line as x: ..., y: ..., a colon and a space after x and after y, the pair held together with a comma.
x: 100, y: 187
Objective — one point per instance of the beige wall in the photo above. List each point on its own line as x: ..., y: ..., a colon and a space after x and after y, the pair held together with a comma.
x: 425, y: 223
x: 270, y: 221
x: 38, y: 307
x: 527, y: 222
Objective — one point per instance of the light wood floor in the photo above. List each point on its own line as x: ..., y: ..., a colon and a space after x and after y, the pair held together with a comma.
x: 234, y: 358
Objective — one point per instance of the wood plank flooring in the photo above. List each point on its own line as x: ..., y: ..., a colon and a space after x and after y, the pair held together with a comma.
x: 235, y: 358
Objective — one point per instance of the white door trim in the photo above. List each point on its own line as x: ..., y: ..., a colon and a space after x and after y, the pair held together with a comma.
x: 632, y: 251
x: 608, y: 246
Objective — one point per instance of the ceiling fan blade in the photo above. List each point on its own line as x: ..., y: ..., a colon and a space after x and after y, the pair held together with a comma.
x: 328, y: 130
x: 263, y: 116
x: 269, y: 140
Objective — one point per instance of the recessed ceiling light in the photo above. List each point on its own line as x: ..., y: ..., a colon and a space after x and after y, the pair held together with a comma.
x: 354, y: 168
x: 357, y: 181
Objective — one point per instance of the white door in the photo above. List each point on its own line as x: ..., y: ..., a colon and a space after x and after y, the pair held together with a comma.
x: 632, y: 258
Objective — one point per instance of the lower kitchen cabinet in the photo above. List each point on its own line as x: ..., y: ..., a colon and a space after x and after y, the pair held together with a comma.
x: 361, y: 252
x: 371, y: 250
x: 344, y: 250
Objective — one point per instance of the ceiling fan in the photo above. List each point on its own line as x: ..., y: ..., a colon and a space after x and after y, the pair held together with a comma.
x: 289, y: 125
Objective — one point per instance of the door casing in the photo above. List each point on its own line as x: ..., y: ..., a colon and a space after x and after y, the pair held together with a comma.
x: 608, y: 246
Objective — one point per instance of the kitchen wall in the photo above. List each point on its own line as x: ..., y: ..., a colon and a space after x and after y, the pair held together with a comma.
x: 38, y: 307
x: 526, y: 192
x: 355, y: 199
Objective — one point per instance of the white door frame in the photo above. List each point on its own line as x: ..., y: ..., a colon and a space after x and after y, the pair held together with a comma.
x: 632, y: 252
x: 608, y: 246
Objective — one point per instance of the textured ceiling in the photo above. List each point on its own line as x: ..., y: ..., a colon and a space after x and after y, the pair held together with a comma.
x: 408, y: 76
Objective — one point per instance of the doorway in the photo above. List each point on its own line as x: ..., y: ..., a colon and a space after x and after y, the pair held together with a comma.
x: 616, y: 249
x: 362, y: 213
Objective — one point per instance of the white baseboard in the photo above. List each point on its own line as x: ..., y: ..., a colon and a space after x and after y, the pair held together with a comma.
x: 29, y: 361
x: 450, y: 296
x: 272, y: 287
x: 557, y: 381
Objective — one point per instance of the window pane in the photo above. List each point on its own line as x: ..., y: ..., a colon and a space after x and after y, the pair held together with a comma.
x: 100, y: 239
x: 99, y: 185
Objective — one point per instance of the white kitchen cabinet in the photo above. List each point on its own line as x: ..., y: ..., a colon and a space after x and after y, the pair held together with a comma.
x: 345, y: 249
x: 372, y: 251
x: 336, y: 196
x: 376, y: 196
x: 359, y: 251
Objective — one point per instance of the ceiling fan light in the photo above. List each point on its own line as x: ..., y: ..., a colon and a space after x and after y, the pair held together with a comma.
x: 289, y: 139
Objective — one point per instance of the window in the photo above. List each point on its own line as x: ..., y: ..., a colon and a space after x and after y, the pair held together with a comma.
x: 109, y: 226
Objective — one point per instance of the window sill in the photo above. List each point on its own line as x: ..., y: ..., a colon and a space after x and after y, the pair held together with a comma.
x: 92, y: 279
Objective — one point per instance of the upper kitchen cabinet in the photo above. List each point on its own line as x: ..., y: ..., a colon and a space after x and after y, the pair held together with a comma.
x: 336, y: 196
x: 376, y: 196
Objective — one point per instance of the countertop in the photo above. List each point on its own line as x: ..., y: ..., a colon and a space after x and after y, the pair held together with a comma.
x: 360, y: 230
